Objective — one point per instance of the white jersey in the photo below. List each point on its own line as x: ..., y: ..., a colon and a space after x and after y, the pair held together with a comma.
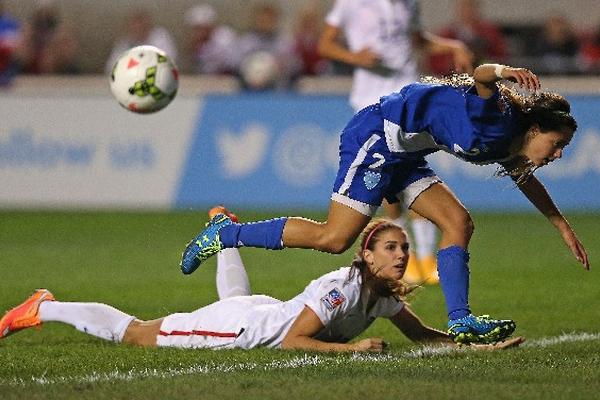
x: 340, y: 302
x: 386, y: 27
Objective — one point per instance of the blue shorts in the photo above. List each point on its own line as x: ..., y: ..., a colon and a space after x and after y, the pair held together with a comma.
x: 370, y: 172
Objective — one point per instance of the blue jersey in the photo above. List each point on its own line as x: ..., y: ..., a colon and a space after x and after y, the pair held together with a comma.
x: 382, y: 148
x: 423, y: 118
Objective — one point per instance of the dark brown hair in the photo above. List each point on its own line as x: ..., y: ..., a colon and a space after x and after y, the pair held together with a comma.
x: 550, y: 111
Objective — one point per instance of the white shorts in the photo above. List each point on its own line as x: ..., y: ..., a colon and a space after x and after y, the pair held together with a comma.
x: 215, y: 326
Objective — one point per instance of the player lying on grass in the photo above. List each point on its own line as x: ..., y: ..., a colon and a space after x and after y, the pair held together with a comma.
x: 331, y: 311
x: 382, y: 155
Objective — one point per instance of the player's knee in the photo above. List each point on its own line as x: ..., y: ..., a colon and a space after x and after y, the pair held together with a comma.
x: 339, y: 246
x: 334, y: 243
x: 464, y: 225
x: 459, y: 224
x: 142, y: 333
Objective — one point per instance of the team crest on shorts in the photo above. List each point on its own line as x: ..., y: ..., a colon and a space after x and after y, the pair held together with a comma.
x: 371, y: 179
x: 333, y: 299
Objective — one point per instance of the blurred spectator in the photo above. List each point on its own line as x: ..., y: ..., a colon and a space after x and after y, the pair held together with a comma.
x: 307, y: 31
x: 212, y: 46
x: 557, y: 47
x: 9, y: 38
x: 481, y: 36
x: 266, y: 55
x: 140, y: 30
x: 48, y: 44
x: 590, y: 52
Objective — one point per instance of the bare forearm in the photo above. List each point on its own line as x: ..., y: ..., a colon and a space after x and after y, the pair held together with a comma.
x: 431, y: 335
x: 435, y: 44
x: 537, y: 194
x: 414, y: 329
x: 486, y: 74
x: 335, y: 51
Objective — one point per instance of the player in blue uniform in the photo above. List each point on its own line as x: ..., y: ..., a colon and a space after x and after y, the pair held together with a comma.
x: 382, y: 154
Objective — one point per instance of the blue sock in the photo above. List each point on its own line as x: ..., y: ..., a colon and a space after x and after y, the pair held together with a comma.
x: 453, y: 270
x: 264, y: 234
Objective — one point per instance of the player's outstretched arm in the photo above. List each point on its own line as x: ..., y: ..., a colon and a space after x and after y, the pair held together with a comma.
x: 414, y: 329
x: 408, y: 322
x: 537, y: 194
x: 307, y: 325
x: 462, y: 57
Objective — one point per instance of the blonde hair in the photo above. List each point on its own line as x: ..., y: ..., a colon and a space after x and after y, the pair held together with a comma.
x: 384, y: 287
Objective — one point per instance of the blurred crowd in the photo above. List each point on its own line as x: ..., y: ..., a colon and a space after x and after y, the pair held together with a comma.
x: 271, y: 54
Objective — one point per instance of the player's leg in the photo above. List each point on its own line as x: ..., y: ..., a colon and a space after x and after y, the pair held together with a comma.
x: 143, y: 333
x: 335, y: 235
x: 440, y: 205
x: 232, y: 279
x: 95, y: 319
x: 394, y: 211
x: 425, y: 240
x: 358, y: 192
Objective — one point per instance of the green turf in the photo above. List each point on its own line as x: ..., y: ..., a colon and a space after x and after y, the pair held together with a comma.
x: 519, y: 269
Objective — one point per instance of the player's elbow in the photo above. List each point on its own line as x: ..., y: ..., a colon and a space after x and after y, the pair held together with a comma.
x: 323, y: 48
x: 335, y: 245
x: 290, y: 342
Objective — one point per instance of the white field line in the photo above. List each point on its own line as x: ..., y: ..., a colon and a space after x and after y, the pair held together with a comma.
x: 295, y: 362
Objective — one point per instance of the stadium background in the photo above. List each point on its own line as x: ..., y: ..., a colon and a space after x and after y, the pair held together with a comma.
x: 64, y: 142
x: 107, y: 16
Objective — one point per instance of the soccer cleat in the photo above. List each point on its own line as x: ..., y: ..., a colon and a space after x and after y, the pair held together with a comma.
x: 205, y: 245
x: 222, y: 210
x: 483, y: 329
x: 428, y: 266
x: 25, y: 315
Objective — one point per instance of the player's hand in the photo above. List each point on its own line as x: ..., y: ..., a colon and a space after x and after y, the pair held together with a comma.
x: 366, y: 58
x: 523, y: 77
x: 463, y: 59
x: 575, y: 246
x: 503, y: 345
x: 374, y: 345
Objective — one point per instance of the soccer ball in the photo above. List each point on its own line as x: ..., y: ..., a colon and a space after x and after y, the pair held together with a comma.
x: 144, y: 79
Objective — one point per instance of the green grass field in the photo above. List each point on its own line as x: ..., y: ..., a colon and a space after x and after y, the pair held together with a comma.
x: 519, y: 269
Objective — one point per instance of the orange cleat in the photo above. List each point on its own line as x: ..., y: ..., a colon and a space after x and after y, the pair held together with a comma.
x: 429, y: 270
x: 222, y: 210
x: 413, y: 276
x: 25, y: 315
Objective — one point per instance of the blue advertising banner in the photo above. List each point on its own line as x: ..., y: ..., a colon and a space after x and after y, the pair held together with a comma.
x: 281, y: 151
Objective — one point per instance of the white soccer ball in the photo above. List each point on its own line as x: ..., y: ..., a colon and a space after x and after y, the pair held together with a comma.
x: 144, y: 79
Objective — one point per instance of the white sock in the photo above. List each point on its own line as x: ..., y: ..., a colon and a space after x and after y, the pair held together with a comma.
x: 95, y: 319
x: 425, y: 237
x: 232, y: 279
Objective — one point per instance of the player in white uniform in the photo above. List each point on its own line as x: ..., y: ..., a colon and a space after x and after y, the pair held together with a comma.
x: 381, y: 39
x: 331, y: 310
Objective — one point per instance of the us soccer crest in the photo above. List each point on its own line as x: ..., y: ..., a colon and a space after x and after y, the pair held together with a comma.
x: 371, y: 179
x: 333, y: 299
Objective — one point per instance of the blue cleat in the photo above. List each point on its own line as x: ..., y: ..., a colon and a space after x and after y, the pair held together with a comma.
x: 205, y: 245
x: 483, y: 329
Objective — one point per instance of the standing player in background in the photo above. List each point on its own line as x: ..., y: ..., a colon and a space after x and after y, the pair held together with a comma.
x: 382, y: 155
x: 382, y: 37
x: 332, y: 309
x: 10, y: 32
